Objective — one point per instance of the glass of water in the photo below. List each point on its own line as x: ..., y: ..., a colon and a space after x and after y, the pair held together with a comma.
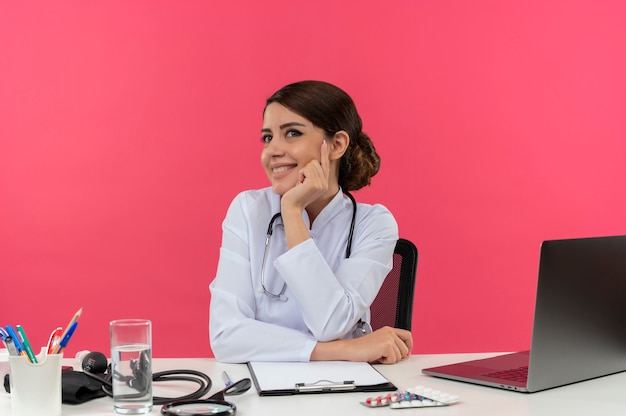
x: 131, y: 365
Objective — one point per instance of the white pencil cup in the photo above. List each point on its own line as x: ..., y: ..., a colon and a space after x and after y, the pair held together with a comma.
x: 36, y: 388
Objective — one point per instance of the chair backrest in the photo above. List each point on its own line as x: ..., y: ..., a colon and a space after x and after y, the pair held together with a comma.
x: 393, y: 305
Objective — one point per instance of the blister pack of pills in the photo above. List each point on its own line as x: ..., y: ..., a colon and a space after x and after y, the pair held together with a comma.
x: 418, y: 396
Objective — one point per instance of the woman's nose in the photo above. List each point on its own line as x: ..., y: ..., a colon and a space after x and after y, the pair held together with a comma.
x: 274, y: 147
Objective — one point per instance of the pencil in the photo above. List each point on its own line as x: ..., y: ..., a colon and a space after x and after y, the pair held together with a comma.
x: 75, y: 318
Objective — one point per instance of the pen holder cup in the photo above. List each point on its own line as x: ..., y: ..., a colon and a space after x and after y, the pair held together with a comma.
x: 36, y: 388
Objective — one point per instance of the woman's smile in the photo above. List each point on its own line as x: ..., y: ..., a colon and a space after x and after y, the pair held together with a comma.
x: 282, y: 169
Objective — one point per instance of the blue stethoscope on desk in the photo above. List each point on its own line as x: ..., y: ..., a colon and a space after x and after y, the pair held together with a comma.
x: 362, y: 327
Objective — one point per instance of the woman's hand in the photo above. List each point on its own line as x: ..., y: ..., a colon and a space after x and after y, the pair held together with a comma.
x: 312, y: 183
x: 386, y: 345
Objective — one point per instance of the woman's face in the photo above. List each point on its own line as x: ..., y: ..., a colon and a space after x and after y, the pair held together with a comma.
x: 290, y: 142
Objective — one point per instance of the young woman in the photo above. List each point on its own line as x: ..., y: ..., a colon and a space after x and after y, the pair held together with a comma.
x: 301, y: 262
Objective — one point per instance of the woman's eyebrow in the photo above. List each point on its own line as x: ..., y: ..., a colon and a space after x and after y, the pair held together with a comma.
x: 284, y: 126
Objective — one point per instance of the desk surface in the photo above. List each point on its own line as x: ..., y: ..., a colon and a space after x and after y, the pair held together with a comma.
x: 602, y: 396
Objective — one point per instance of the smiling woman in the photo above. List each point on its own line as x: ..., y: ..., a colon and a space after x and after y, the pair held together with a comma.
x: 307, y: 295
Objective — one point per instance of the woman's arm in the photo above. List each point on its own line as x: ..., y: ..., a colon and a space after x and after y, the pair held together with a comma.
x: 238, y: 338
x: 386, y: 346
x: 329, y: 310
x: 235, y: 333
x: 333, y: 297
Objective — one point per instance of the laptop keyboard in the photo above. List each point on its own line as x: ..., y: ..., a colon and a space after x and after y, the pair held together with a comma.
x: 514, y: 374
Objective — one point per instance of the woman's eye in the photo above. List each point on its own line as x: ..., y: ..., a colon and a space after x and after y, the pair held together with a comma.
x: 266, y: 138
x: 293, y: 133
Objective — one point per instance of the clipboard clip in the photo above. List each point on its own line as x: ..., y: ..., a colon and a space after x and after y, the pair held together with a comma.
x: 325, y: 386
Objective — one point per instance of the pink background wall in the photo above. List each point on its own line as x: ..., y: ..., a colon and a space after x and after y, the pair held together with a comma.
x: 126, y: 128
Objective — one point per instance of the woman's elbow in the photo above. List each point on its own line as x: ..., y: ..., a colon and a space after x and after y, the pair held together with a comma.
x: 329, y: 333
x: 221, y: 350
x: 224, y: 353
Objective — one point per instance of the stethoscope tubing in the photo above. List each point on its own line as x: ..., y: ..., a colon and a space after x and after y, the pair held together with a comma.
x: 270, y: 230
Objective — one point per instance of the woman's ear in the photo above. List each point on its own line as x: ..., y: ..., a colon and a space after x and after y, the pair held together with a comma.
x: 339, y: 145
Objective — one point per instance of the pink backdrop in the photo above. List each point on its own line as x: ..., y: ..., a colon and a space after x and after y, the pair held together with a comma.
x: 126, y: 128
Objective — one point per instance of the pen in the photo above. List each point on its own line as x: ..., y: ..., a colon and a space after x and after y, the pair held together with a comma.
x: 4, y: 335
x: 16, y: 340
x: 227, y: 379
x: 66, y: 338
x: 8, y: 341
x: 26, y: 343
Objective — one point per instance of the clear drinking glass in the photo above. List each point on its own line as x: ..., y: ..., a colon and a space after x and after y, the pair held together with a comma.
x: 131, y: 365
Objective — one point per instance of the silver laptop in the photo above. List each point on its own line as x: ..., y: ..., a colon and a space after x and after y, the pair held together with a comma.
x: 579, y: 328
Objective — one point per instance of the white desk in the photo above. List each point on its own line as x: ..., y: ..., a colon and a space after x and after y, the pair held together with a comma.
x: 602, y: 396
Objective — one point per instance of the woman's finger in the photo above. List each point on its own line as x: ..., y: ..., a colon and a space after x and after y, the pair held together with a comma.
x: 325, y: 159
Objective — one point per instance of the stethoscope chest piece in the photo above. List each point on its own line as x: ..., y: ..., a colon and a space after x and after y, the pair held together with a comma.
x: 199, y: 408
x: 214, y: 405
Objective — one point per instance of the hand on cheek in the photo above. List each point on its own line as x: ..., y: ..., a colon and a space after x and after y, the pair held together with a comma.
x: 312, y: 181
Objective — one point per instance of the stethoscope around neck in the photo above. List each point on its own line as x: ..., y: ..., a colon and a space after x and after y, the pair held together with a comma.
x: 270, y: 229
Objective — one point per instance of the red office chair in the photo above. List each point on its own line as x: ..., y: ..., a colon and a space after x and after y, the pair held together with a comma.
x: 393, y: 305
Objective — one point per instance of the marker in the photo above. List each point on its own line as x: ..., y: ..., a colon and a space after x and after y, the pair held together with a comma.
x: 66, y: 338
x: 27, y: 348
x: 55, y: 338
x: 16, y: 340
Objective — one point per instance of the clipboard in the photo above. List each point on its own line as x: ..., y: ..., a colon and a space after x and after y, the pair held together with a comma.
x: 289, y: 378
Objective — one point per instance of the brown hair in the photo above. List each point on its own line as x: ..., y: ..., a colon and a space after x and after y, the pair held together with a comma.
x: 331, y: 109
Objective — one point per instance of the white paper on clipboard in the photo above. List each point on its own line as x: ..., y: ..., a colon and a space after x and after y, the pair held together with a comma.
x: 287, y: 376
